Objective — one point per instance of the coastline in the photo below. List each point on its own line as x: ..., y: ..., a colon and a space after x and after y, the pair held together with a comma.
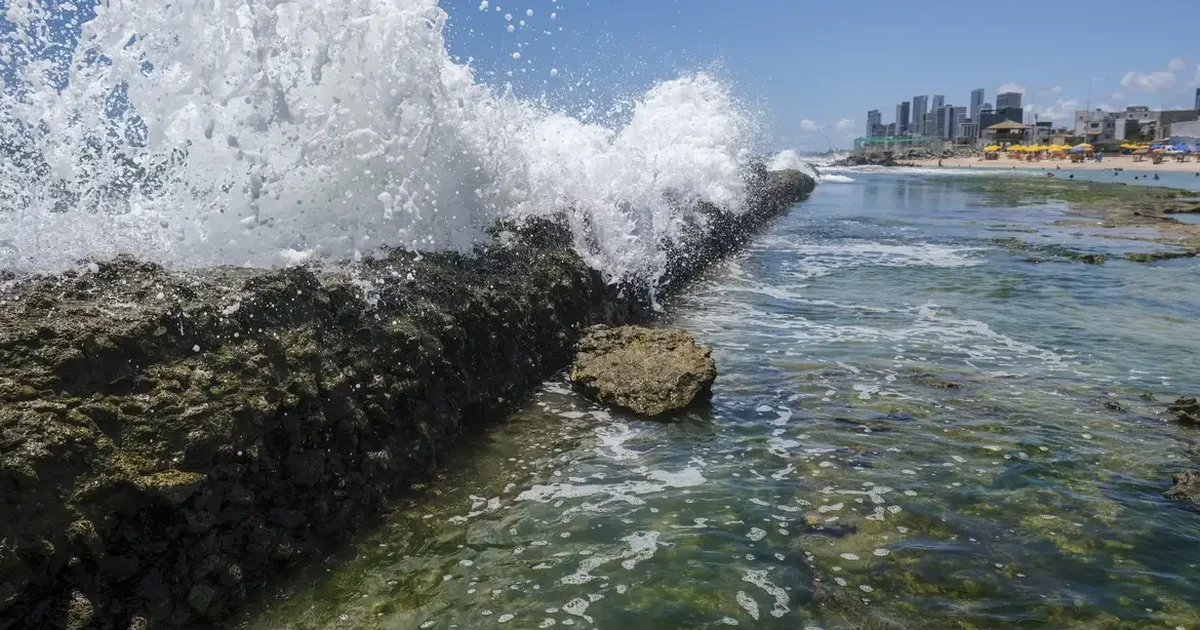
x: 1109, y: 163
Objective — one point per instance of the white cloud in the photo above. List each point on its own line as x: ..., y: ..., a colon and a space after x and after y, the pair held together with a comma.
x: 809, y: 125
x: 1056, y: 90
x: 1160, y: 80
x: 1061, y: 112
x: 1151, y: 82
x: 1118, y: 96
x: 1196, y: 80
x: 845, y: 124
x: 1011, y: 87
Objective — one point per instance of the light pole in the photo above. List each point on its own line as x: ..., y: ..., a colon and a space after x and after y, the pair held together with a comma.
x: 1088, y: 109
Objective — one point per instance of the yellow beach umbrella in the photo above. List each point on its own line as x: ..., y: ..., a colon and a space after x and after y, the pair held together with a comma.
x: 1085, y: 146
x: 992, y: 147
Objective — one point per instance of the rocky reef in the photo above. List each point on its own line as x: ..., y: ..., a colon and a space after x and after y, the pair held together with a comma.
x: 646, y: 370
x: 170, y: 438
x: 1185, y: 487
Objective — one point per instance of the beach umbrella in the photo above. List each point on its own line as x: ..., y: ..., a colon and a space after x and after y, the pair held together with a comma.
x: 992, y: 147
x: 1082, y: 148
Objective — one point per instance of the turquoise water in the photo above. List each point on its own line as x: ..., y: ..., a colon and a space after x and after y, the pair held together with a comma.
x: 913, y: 427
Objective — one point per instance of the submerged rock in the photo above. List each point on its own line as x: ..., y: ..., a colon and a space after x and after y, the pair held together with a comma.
x: 1144, y: 257
x: 1186, y: 409
x: 646, y: 370
x: 1185, y: 487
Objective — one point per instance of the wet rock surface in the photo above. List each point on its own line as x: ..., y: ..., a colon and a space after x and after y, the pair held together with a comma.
x: 1185, y: 487
x: 1186, y: 410
x: 646, y: 370
x: 169, y: 439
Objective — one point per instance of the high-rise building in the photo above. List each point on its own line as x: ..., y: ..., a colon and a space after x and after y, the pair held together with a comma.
x: 920, y: 107
x: 938, y: 101
x: 976, y: 103
x: 902, y: 118
x: 958, y: 116
x: 943, y: 123
x: 874, y: 119
x: 988, y: 105
x: 1197, y: 98
x: 1008, y: 99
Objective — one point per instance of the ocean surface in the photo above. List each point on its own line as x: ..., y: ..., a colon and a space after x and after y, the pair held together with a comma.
x: 912, y: 427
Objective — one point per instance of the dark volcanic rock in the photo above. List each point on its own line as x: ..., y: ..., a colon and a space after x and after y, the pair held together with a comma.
x: 1185, y: 487
x: 1186, y: 409
x: 650, y: 371
x: 168, y: 438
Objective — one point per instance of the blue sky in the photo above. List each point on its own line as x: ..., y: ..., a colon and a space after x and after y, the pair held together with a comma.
x: 816, y: 67
x: 813, y: 66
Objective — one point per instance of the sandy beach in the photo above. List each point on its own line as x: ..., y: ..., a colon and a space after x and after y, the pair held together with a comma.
x: 1109, y: 163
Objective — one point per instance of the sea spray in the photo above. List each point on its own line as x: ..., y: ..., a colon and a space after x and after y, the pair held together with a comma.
x: 270, y: 133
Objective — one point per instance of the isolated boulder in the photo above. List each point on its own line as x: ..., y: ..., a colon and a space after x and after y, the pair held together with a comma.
x: 650, y: 371
x: 1186, y: 409
x: 1185, y: 487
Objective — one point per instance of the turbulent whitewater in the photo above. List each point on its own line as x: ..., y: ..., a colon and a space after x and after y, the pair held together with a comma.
x: 270, y: 133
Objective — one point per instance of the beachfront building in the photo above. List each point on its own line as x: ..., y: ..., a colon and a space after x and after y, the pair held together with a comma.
x: 1005, y: 133
x: 929, y: 125
x: 1096, y: 125
x: 976, y: 103
x: 874, y: 118
x: 939, y: 100
x: 1135, y: 123
x: 1186, y: 133
x: 1170, y: 117
x: 1198, y: 99
x: 1008, y: 99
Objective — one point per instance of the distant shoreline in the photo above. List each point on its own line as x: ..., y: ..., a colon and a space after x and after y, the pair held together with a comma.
x: 1109, y: 163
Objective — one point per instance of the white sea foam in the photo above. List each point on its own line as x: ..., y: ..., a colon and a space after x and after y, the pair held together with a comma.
x: 286, y: 131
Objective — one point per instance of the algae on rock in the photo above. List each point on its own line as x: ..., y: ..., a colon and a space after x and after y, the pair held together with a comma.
x: 646, y: 370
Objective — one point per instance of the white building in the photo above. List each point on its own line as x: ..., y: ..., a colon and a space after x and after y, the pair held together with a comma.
x: 1096, y: 125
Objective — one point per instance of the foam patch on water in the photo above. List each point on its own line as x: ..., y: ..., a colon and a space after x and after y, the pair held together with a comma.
x: 627, y: 492
x: 641, y: 546
x: 821, y: 259
x: 759, y: 579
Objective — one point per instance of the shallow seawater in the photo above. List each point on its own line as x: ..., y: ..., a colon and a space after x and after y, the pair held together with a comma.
x: 913, y: 427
